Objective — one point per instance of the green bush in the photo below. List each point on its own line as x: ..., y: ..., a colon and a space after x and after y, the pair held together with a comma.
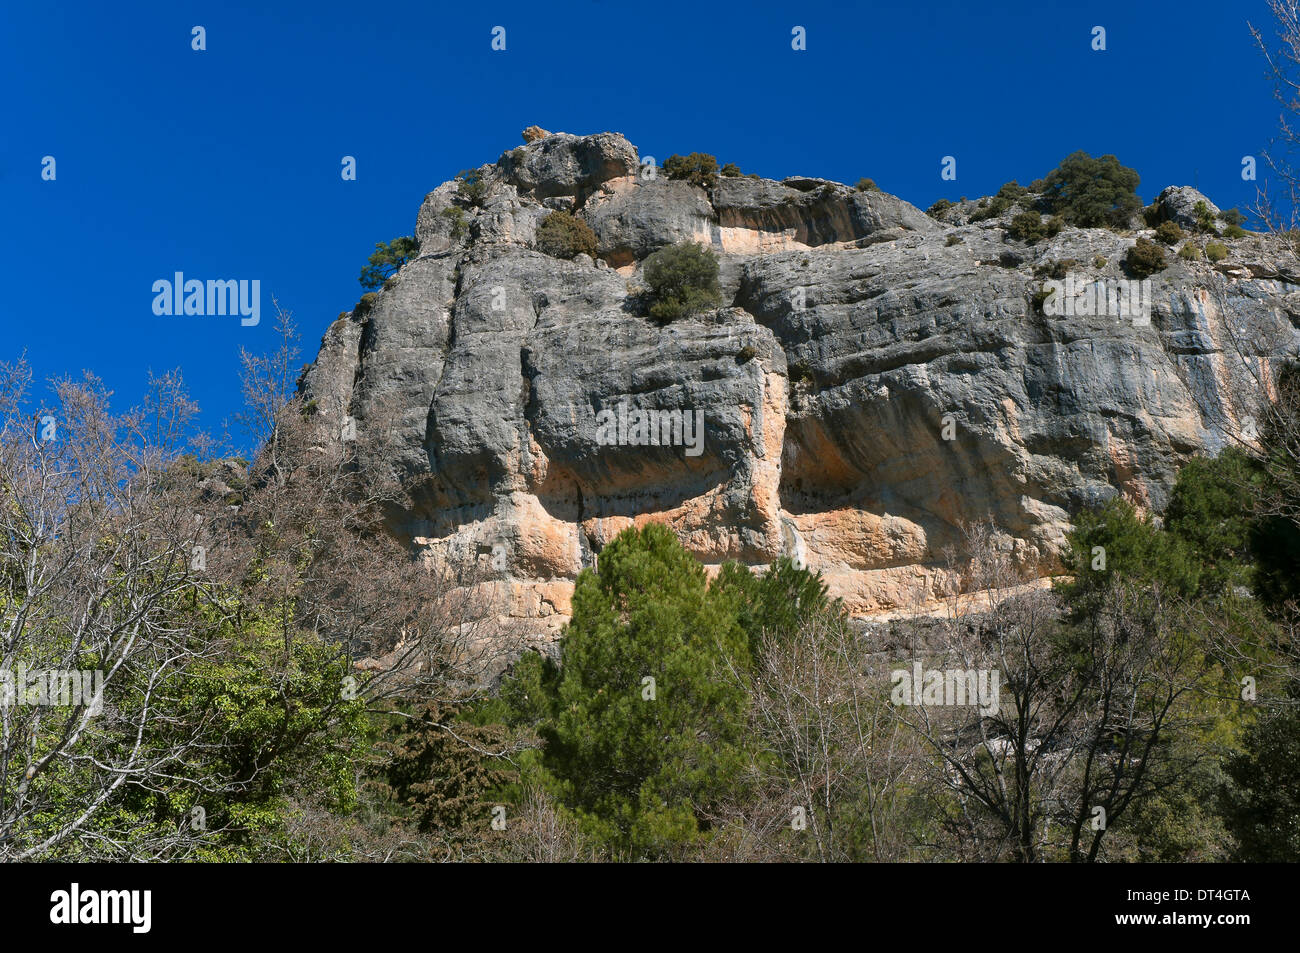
x: 1204, y: 217
x: 683, y: 280
x: 367, y: 302
x: 1092, y: 192
x: 471, y: 187
x: 1215, y: 251
x: 1054, y: 225
x: 1234, y: 231
x: 1189, y: 252
x: 866, y: 185
x: 459, y: 224
x: 938, y: 208
x: 731, y: 171
x: 562, y: 235
x: 1145, y: 258
x: 698, y: 168
x: 1232, y: 216
x: 1012, y: 191
x: 991, y: 208
x: 1027, y: 227
x: 386, y: 259
x: 1169, y: 233
x: 1099, y: 262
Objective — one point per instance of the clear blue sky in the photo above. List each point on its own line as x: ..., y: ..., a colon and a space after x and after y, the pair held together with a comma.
x: 225, y: 163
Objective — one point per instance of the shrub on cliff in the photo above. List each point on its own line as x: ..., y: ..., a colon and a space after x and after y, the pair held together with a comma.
x: 1216, y: 251
x: 698, y: 168
x: 471, y: 187
x: 1027, y: 227
x: 1092, y: 192
x: 683, y: 280
x: 1169, y: 233
x: 386, y: 259
x: 562, y: 235
x: 1144, y: 259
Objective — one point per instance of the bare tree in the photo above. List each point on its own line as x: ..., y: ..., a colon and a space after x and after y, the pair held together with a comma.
x: 1082, y: 727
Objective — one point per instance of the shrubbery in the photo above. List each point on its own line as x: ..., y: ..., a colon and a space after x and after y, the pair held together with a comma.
x: 386, y: 259
x: 1145, y: 258
x: 1027, y: 227
x: 562, y: 235
x: 698, y: 168
x: 938, y: 208
x: 683, y: 280
x: 866, y: 185
x: 1216, y: 251
x: 471, y: 187
x: 1092, y: 192
x: 1169, y: 233
x: 457, y: 221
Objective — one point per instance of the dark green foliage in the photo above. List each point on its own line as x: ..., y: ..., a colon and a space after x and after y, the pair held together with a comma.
x: 1216, y: 251
x: 472, y: 187
x: 866, y: 185
x: 1092, y: 192
x: 1169, y: 233
x: 1012, y: 191
x: 443, y: 769
x: 1262, y: 806
x: 1210, y: 511
x: 938, y: 208
x: 683, y: 280
x: 459, y: 226
x: 1027, y: 227
x: 1232, y: 216
x: 1234, y: 231
x: 386, y: 259
x: 731, y: 171
x: 1144, y: 259
x: 1130, y: 545
x: 1204, y: 217
x: 641, y: 769
x: 698, y: 168
x: 778, y: 601
x: 991, y: 208
x: 562, y: 235
x: 1189, y: 252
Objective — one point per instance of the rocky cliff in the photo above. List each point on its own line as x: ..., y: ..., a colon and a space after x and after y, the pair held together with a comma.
x: 876, y: 378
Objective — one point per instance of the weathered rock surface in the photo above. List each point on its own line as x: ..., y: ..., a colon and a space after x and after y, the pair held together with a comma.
x: 856, y: 332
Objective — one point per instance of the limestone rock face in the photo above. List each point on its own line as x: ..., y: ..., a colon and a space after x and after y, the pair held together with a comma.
x: 874, y: 380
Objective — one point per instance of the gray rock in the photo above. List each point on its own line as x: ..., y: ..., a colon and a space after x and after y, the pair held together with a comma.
x: 1178, y: 204
x: 851, y: 337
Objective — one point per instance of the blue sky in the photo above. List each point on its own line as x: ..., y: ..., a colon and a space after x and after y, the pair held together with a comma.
x: 225, y: 163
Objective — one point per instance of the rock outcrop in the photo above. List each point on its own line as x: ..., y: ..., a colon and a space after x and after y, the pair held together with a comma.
x: 875, y: 379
